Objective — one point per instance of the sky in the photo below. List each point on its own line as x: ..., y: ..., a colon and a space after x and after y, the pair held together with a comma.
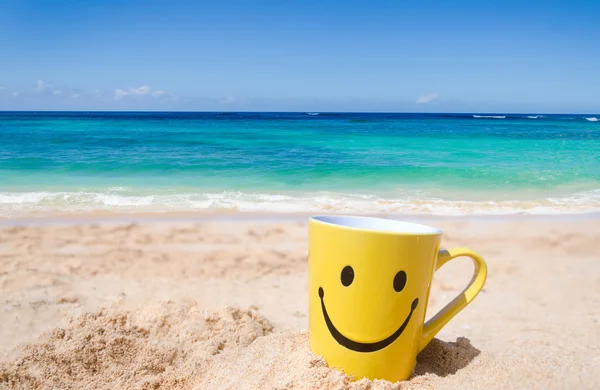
x: 393, y: 56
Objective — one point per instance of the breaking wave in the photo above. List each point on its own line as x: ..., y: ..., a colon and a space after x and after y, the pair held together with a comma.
x: 22, y: 204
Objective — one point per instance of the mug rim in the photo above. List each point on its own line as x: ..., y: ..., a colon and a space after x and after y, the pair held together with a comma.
x: 421, y: 229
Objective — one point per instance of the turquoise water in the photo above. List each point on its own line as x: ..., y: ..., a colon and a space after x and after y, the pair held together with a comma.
x: 422, y: 163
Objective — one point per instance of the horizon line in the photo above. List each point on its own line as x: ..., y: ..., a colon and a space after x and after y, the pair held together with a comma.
x: 298, y: 112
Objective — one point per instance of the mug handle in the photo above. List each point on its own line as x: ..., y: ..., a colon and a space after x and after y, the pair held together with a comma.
x: 437, y: 322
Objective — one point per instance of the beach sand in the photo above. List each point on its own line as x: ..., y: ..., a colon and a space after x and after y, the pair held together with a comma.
x: 223, y: 304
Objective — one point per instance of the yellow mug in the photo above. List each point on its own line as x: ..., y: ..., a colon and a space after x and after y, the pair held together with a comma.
x: 369, y: 282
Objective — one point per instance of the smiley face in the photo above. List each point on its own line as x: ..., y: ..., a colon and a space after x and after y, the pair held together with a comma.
x: 347, y: 277
x: 368, y: 281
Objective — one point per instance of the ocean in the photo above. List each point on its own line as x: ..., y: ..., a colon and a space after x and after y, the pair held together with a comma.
x: 445, y: 164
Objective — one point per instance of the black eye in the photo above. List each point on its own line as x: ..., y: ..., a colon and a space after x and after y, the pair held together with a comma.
x: 400, y: 281
x: 347, y: 276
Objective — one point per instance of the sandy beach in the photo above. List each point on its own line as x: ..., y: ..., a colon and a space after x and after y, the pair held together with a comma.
x: 222, y: 303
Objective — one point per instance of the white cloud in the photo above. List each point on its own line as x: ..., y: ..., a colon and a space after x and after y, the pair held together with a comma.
x: 41, y: 85
x: 47, y: 92
x: 119, y: 93
x: 144, y: 90
x: 424, y: 99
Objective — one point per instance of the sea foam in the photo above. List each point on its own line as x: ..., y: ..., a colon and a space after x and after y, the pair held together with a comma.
x: 489, y: 116
x: 55, y: 203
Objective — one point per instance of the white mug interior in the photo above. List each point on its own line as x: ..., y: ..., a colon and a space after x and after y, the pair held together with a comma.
x: 376, y: 224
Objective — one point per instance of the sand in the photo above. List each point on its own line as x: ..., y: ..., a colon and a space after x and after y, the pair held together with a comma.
x: 202, y: 304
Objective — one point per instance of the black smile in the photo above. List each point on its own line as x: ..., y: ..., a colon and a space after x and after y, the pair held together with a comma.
x: 364, y: 347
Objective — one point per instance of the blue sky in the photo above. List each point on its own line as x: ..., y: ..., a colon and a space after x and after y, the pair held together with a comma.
x: 412, y: 55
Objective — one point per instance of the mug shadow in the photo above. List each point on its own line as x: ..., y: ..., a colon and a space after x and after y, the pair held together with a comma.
x: 444, y: 358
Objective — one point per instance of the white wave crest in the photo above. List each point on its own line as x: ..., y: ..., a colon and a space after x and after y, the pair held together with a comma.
x: 592, y: 119
x: 535, y: 116
x: 490, y: 116
x: 56, y: 203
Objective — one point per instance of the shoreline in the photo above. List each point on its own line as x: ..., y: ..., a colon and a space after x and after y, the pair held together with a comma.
x: 36, y: 205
